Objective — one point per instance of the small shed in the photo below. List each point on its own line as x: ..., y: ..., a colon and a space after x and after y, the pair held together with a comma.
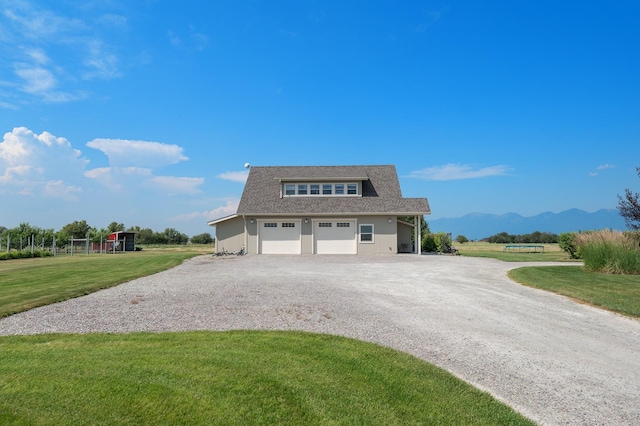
x: 122, y: 241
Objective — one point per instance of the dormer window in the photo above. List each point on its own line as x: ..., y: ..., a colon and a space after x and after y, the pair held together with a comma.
x: 340, y: 189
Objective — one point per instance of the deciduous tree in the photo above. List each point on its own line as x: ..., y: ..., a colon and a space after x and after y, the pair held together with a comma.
x: 629, y: 207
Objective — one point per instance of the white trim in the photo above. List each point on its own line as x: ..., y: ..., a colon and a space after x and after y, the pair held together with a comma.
x: 222, y: 219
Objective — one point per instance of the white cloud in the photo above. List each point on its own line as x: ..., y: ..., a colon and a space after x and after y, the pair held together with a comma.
x: 100, y: 64
x: 172, y: 185
x: 59, y: 189
x: 231, y: 207
x: 606, y: 166
x: 39, y: 164
x: 37, y: 80
x: 458, y: 171
x: 235, y: 176
x: 134, y: 179
x: 602, y: 167
x: 51, y: 53
x: 126, y: 153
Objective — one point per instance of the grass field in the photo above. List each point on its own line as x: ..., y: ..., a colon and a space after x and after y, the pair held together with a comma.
x: 29, y: 283
x: 552, y: 253
x: 615, y: 292
x: 230, y: 378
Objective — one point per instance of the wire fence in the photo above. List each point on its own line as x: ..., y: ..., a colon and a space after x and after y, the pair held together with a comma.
x: 33, y: 246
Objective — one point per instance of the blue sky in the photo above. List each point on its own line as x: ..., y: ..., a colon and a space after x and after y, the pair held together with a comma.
x: 145, y: 112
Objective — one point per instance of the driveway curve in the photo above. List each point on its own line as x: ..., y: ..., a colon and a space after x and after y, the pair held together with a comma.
x: 553, y: 360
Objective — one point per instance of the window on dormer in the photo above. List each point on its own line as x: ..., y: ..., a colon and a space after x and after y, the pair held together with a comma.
x: 290, y: 189
x: 313, y: 189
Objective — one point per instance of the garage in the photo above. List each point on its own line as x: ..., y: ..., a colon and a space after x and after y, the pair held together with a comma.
x: 279, y: 237
x: 334, y: 237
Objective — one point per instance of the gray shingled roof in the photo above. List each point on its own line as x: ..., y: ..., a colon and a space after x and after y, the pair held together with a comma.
x: 381, y: 192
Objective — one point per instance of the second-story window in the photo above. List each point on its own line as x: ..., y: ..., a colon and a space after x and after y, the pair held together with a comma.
x: 320, y: 188
x: 290, y: 189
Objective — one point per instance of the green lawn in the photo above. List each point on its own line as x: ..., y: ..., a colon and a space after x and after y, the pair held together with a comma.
x: 230, y: 378
x: 552, y: 252
x: 618, y: 293
x: 29, y: 283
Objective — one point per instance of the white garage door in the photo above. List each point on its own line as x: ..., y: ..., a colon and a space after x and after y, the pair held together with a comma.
x: 279, y: 237
x: 334, y: 237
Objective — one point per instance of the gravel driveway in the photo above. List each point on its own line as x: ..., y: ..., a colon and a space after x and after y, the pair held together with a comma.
x: 553, y: 360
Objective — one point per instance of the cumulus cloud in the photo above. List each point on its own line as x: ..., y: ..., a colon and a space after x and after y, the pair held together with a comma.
x: 135, y: 153
x: 39, y: 164
x: 458, y: 171
x: 235, y: 176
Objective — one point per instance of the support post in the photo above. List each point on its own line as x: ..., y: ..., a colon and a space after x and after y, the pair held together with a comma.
x: 418, y: 234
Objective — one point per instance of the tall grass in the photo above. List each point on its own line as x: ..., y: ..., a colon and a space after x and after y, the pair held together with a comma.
x: 610, y: 252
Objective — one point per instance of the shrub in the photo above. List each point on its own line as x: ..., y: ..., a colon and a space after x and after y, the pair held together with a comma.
x: 610, y: 252
x: 24, y: 254
x: 462, y: 239
x: 567, y: 243
x: 428, y: 243
x: 441, y: 239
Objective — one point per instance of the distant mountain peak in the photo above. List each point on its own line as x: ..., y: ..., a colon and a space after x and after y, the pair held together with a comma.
x: 476, y: 226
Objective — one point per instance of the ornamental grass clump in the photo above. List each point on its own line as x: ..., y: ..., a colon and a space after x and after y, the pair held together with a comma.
x: 610, y: 252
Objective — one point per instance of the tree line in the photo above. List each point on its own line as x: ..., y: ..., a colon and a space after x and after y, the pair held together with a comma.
x: 535, y: 238
x: 21, y: 236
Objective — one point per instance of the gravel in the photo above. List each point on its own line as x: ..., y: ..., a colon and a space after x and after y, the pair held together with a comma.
x: 550, y: 358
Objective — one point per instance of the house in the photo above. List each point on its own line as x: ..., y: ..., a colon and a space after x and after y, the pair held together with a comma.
x: 322, y: 210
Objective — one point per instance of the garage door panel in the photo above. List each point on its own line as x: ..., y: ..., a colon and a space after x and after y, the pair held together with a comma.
x: 279, y: 237
x: 335, y: 237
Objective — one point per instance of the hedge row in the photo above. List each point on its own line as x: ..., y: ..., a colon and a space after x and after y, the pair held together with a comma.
x: 23, y: 254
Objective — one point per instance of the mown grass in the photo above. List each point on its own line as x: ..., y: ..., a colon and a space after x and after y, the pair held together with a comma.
x: 552, y: 252
x: 617, y: 293
x: 29, y: 283
x: 230, y: 378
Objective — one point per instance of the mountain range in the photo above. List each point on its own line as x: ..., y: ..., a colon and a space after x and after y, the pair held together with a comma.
x: 476, y: 226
